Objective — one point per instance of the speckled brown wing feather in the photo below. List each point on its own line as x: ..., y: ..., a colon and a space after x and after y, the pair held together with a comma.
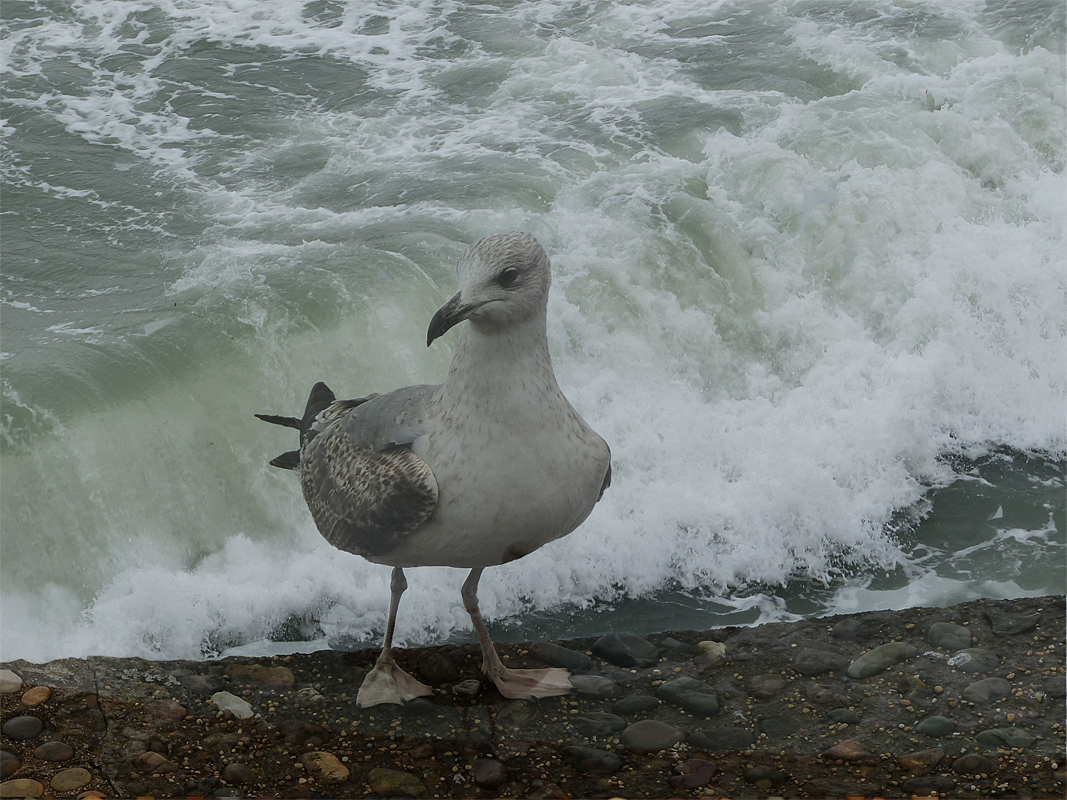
x: 364, y: 499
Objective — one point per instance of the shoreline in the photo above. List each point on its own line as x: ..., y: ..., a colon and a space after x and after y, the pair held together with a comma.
x: 965, y: 701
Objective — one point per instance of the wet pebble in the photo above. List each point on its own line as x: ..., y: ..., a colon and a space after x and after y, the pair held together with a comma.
x: 595, y: 686
x: 691, y: 695
x: 880, y: 658
x: 693, y: 774
x: 21, y: 787
x: 467, y: 688
x: 949, y: 636
x: 764, y: 778
x: 811, y: 662
x: 1005, y: 737
x: 635, y: 704
x: 974, y: 764
x: 36, y: 696
x: 22, y: 728
x: 154, y: 763
x: 650, y: 735
x: 921, y: 760
x: 9, y: 763
x: 592, y: 760
x: 986, y: 691
x: 626, y: 650
x: 1007, y: 623
x: 489, y: 773
x: 936, y: 726
x: 555, y: 655
x: 54, y: 751
x: 300, y: 732
x: 597, y: 723
x: 238, y: 773
x: 844, y: 715
x: 975, y: 660
x: 70, y: 779
x: 166, y: 709
x: 393, y: 783
x: 325, y: 767
x: 308, y: 695
x: 942, y: 784
x: 778, y: 725
x: 721, y: 740
x: 765, y: 687
x: 225, y: 701
x: 10, y: 682
x: 848, y: 750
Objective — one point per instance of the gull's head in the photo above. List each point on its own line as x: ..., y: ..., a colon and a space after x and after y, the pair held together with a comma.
x: 503, y: 282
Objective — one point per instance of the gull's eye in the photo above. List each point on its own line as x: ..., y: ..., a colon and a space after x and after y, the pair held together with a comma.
x: 508, y: 276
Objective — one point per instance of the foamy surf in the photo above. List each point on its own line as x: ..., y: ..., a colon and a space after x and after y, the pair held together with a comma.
x: 809, y: 284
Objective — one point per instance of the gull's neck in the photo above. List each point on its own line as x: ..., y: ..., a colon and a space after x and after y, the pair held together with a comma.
x: 497, y: 369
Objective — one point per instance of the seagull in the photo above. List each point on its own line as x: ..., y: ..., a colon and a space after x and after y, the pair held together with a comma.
x: 480, y: 470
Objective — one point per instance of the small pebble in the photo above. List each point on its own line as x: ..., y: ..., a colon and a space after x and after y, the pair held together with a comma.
x: 36, y: 696
x: 325, y: 767
x: 650, y: 735
x: 848, y: 750
x: 921, y: 760
x: 626, y: 650
x: 21, y: 787
x: 468, y: 688
x: 22, y: 728
x: 693, y: 774
x: 936, y: 726
x: 70, y: 779
x: 692, y: 695
x: 949, y: 636
x: 880, y: 659
x: 489, y: 773
x: 238, y: 773
x: 225, y: 701
x: 10, y: 682
x: 54, y: 751
x: 986, y: 691
x: 974, y: 764
x: 394, y: 783
x: 844, y: 715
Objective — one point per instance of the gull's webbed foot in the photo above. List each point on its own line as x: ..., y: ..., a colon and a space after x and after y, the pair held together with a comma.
x: 388, y: 683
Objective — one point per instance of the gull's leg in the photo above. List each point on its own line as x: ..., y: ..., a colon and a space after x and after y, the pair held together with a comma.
x: 387, y: 682
x: 514, y: 683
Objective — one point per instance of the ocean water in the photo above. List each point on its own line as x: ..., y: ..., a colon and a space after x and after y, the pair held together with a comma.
x: 809, y: 263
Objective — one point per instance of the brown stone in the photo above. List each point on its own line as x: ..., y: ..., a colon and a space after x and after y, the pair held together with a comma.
x: 921, y: 760
x: 21, y: 787
x: 54, y: 751
x: 36, y: 696
x: 154, y: 763
x: 325, y: 767
x: 70, y: 779
x: 166, y: 709
x: 848, y: 750
x: 393, y: 783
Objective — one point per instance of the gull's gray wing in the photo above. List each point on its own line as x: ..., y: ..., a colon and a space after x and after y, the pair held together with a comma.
x: 365, y: 488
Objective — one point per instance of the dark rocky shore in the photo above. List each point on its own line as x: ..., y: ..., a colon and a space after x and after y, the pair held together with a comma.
x: 963, y: 702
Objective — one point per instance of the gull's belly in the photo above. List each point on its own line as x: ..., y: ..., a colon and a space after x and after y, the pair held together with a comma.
x: 504, y: 495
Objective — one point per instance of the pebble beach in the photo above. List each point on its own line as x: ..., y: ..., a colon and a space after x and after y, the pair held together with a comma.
x: 966, y: 701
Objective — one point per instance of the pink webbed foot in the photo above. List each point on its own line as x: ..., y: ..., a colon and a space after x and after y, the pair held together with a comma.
x: 388, y: 683
x: 529, y: 684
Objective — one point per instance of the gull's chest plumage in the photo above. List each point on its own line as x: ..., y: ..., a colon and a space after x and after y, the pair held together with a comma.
x: 513, y: 476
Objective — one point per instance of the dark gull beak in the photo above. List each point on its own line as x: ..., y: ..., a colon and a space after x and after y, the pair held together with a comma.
x: 451, y: 313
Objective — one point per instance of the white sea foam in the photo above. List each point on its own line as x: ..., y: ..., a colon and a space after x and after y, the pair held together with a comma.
x: 781, y: 306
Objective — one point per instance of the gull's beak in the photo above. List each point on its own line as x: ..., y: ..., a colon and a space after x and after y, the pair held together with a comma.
x: 451, y: 313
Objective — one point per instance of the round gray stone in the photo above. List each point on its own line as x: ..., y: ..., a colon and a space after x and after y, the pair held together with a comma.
x: 591, y: 760
x: 936, y: 726
x: 949, y: 636
x: 974, y: 764
x: 986, y: 690
x: 721, y: 740
x: 811, y: 662
x: 1006, y: 737
x: 597, y: 723
x: 692, y: 695
x: 556, y: 656
x: 626, y: 650
x: 650, y: 735
x: 9, y: 763
x: 880, y: 659
x: 54, y: 751
x: 23, y: 728
x: 595, y: 686
x: 635, y: 704
x: 975, y: 660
